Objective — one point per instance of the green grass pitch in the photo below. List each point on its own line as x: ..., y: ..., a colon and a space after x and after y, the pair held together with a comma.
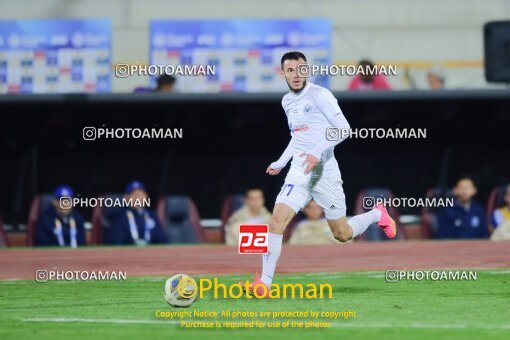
x: 126, y: 309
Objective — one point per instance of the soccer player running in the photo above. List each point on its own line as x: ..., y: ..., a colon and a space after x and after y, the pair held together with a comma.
x: 314, y: 172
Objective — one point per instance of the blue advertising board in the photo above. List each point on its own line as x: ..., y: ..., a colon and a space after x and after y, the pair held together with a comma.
x: 55, y: 56
x: 245, y: 53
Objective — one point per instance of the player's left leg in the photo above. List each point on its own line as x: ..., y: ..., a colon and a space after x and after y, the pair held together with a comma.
x: 329, y: 194
x: 344, y: 230
x: 340, y: 229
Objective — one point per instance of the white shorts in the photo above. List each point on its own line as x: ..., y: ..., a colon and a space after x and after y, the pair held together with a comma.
x: 326, y: 191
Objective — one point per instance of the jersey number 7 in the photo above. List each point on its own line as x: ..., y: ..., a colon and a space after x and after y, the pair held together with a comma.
x: 286, y: 186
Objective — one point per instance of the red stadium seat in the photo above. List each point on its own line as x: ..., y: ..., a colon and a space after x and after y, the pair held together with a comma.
x: 374, y: 233
x: 429, y: 215
x: 4, y: 241
x: 180, y: 219
x: 39, y: 204
x: 102, y: 218
x: 496, y: 200
x: 229, y: 206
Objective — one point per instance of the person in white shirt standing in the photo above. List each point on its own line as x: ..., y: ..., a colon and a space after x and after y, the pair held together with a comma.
x: 311, y: 110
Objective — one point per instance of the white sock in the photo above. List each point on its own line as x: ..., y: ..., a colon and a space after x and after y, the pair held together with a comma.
x: 360, y: 223
x: 269, y: 260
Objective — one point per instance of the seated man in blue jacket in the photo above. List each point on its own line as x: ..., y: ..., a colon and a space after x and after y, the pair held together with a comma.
x: 137, y: 224
x: 60, y: 225
x: 466, y: 219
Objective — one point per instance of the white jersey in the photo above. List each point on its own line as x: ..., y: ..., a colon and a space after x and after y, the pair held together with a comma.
x: 307, y: 113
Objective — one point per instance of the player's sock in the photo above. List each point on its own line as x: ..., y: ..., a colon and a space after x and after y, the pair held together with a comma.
x: 360, y: 223
x: 270, y: 259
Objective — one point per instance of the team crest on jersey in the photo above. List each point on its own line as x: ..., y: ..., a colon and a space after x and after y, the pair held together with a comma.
x: 307, y: 108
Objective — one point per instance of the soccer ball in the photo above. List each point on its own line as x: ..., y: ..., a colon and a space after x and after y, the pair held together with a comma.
x: 180, y: 290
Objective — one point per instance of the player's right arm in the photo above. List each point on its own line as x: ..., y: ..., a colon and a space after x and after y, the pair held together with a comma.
x: 275, y: 167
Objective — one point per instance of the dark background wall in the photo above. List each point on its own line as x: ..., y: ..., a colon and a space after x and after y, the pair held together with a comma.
x: 230, y: 139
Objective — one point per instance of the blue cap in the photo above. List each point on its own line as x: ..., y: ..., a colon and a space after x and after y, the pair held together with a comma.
x: 63, y: 191
x: 134, y: 186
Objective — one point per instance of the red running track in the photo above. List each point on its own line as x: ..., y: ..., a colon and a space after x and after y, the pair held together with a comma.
x: 207, y: 259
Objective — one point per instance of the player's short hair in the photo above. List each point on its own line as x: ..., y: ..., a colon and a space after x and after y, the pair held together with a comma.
x: 294, y: 55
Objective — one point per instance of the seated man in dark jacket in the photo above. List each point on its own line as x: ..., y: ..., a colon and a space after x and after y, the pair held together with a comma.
x: 137, y: 224
x: 60, y: 225
x: 466, y: 219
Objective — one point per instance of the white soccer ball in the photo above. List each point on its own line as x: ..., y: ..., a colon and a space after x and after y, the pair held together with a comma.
x: 180, y: 290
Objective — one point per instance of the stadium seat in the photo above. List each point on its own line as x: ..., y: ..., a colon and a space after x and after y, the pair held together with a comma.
x: 40, y: 203
x: 374, y: 233
x: 102, y: 218
x: 180, y: 219
x: 4, y: 241
x: 429, y: 224
x: 230, y: 204
x: 496, y: 200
